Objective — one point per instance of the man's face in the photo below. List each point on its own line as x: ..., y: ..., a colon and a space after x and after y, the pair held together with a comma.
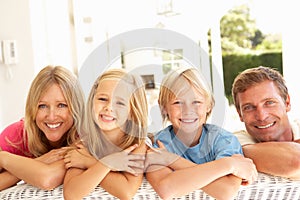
x: 264, y: 112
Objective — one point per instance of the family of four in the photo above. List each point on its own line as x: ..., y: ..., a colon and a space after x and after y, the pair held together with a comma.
x: 63, y: 140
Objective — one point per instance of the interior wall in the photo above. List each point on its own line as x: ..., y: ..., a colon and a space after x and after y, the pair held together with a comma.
x: 14, y: 79
x: 43, y: 33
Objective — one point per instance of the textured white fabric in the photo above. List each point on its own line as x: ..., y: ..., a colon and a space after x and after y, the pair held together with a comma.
x: 265, y: 188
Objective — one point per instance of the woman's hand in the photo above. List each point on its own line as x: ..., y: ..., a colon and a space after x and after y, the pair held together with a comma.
x: 125, y: 161
x: 53, y: 155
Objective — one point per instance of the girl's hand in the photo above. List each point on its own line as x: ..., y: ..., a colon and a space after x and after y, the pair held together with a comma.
x: 79, y: 158
x: 159, y: 156
x: 125, y: 161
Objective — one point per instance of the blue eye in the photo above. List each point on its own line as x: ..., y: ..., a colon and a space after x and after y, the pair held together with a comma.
x: 248, y: 108
x: 197, y: 102
x: 62, y: 105
x: 270, y: 102
x: 42, y: 106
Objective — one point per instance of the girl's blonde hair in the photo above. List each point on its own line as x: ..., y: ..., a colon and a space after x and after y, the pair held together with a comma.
x: 38, y: 144
x: 136, y: 124
x: 175, y: 82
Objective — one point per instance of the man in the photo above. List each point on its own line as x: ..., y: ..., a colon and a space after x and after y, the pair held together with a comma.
x: 262, y: 101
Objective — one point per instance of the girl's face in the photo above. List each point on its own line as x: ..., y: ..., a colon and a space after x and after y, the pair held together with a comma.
x: 111, y: 105
x: 53, y: 115
x: 187, y: 111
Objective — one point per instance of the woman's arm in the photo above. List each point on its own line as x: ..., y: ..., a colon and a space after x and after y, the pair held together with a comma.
x: 7, y: 180
x: 37, y: 173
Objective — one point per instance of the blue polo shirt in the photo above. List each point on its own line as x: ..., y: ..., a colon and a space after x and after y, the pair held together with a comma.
x: 214, y: 143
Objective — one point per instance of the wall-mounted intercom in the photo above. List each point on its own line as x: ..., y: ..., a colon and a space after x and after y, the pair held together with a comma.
x: 9, y: 52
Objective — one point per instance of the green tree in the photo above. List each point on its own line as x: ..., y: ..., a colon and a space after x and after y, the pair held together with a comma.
x: 257, y: 39
x: 237, y: 29
x: 271, y: 43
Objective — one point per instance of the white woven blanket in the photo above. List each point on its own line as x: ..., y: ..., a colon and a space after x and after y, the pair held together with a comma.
x: 265, y: 188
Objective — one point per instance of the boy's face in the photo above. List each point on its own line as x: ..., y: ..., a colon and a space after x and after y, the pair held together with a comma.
x: 187, y: 111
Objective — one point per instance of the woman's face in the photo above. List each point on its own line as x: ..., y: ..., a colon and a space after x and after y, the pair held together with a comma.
x: 111, y: 105
x: 53, y: 116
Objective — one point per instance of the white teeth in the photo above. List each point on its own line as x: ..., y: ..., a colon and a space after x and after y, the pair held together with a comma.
x: 187, y: 120
x: 107, y: 118
x: 53, y: 125
x: 266, y: 126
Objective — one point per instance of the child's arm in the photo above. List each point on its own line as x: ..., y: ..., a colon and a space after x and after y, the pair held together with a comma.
x: 211, y: 177
x: 225, y: 187
x: 79, y: 182
x: 128, y: 183
x: 87, y: 173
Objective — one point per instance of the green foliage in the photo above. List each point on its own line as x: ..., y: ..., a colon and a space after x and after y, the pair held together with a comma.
x: 237, y: 29
x: 271, y: 43
x: 233, y: 64
x: 257, y: 39
x: 244, y: 46
x: 239, y: 34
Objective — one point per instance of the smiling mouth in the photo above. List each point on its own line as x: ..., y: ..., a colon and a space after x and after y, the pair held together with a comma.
x: 188, y: 120
x: 266, y: 126
x: 107, y: 118
x: 53, y: 126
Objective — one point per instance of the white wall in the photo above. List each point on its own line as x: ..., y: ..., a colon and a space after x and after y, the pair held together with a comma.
x: 43, y: 33
x: 15, y: 24
x: 290, y: 55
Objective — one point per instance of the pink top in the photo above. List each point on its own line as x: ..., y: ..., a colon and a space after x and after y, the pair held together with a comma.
x: 12, y: 139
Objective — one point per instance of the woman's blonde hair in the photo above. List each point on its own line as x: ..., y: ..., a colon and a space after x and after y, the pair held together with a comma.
x: 175, y: 82
x: 38, y: 144
x: 136, y: 124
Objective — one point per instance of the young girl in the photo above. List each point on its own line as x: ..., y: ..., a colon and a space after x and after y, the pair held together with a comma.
x: 116, y: 125
x: 213, y: 159
x: 33, y: 148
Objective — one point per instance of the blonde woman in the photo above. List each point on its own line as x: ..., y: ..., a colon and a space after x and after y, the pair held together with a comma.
x: 208, y: 157
x: 33, y: 148
x: 112, y: 153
